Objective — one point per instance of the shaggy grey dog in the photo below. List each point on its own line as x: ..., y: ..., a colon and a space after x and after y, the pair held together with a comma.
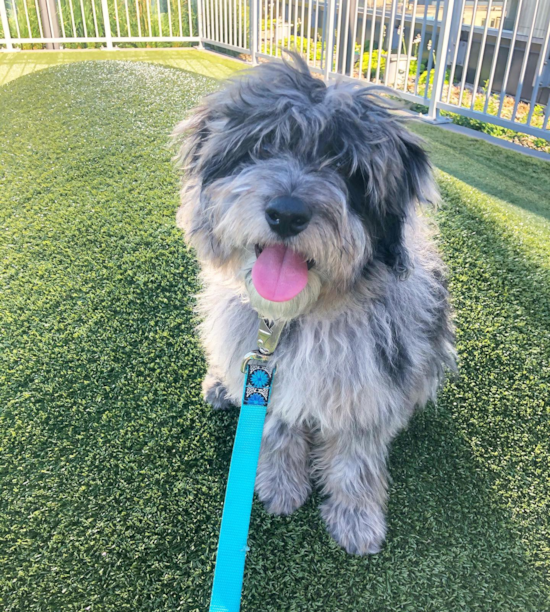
x: 300, y: 201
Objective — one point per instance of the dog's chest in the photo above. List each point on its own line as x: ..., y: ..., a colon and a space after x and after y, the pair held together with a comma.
x: 328, y: 372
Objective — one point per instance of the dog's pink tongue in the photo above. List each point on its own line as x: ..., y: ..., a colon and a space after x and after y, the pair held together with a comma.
x: 279, y: 273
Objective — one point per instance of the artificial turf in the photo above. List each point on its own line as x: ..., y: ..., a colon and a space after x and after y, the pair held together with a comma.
x: 19, y: 63
x: 112, y: 469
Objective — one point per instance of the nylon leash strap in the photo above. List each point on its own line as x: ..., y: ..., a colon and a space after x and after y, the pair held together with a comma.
x: 232, y: 545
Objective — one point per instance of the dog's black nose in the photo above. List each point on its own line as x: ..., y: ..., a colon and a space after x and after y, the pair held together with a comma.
x: 287, y: 216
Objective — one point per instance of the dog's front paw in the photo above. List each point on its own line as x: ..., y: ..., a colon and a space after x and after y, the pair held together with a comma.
x: 215, y: 393
x: 359, y: 530
x: 280, y: 501
x: 281, y: 491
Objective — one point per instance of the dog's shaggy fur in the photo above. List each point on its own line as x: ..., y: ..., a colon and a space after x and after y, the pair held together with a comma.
x: 370, y: 336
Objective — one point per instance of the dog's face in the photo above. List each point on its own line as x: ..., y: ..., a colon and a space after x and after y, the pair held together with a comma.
x: 295, y: 189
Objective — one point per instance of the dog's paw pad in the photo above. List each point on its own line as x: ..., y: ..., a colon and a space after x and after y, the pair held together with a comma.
x: 358, y: 530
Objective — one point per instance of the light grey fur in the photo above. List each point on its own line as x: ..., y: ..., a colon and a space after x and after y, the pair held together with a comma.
x: 362, y: 347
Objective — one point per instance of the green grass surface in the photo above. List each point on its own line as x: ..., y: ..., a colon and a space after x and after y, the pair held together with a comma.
x: 112, y: 469
x: 19, y: 63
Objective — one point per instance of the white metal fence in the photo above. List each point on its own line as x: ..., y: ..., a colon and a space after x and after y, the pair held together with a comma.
x: 482, y: 59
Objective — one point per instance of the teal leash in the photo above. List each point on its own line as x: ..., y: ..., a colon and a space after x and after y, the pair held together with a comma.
x: 232, y: 544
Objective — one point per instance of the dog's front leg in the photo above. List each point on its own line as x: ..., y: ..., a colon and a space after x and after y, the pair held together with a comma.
x: 282, y: 480
x: 215, y: 393
x: 351, y: 468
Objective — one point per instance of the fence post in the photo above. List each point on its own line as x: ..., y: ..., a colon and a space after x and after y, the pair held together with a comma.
x: 107, y: 24
x: 50, y: 22
x: 442, y: 56
x: 329, y: 47
x: 5, y: 25
x: 253, y: 31
x: 200, y: 9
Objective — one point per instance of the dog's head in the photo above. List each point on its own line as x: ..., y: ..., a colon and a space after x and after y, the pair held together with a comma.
x: 295, y: 189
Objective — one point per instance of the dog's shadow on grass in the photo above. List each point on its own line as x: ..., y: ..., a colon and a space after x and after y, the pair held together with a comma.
x: 450, y: 540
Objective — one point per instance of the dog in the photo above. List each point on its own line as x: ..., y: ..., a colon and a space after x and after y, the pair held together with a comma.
x: 301, y: 201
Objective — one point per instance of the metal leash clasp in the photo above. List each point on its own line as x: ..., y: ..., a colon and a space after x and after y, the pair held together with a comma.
x: 269, y: 334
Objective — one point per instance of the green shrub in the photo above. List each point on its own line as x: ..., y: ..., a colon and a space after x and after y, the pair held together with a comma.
x: 375, y: 60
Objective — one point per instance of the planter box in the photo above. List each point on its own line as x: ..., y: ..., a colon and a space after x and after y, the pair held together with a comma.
x: 397, y: 64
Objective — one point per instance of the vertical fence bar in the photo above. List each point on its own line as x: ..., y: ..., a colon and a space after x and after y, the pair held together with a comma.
x: 329, y: 44
x: 170, y: 16
x: 226, y: 21
x: 216, y: 8
x: 180, y: 23
x: 455, y: 55
x: 525, y: 61
x: 240, y: 23
x: 391, y: 27
x: 481, y: 54
x: 16, y: 17
x: 231, y: 31
x: 363, y: 34
x: 468, y: 51
x: 37, y: 16
x: 159, y: 21
x: 253, y: 31
x: 107, y: 24
x: 400, y: 43
x: 271, y: 28
x: 295, y: 22
x: 137, y: 17
x: 50, y: 26
x: 435, y: 37
x: 495, y: 57
x: 543, y: 59
x: 338, y: 33
x: 381, y: 41
x: 200, y: 24
x: 421, y: 48
x: 316, y: 36
x: 309, y: 15
x: 29, y: 31
x: 84, y: 19
x: 73, y: 24
x: 94, y: 15
x: 288, y: 32
x: 345, y: 26
x: 409, y: 48
x: 128, y: 17
x: 441, y: 63
x: 117, y: 20
x: 302, y: 23
x: 371, y: 41
x: 509, y: 60
x: 354, y: 37
x: 6, y: 25
x: 264, y: 19
x: 277, y: 27
x: 149, y: 26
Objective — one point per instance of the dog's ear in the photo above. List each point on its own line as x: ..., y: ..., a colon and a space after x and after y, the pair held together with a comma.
x: 201, y: 154
x: 393, y: 171
x: 413, y: 185
x: 199, y: 162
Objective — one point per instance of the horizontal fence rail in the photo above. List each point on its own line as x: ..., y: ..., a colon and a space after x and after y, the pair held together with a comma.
x: 485, y: 60
x: 52, y: 23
